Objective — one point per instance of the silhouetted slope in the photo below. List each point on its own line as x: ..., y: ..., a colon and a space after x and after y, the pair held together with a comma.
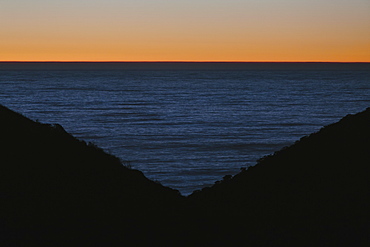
x: 55, y: 189
x: 58, y: 191
x: 313, y: 193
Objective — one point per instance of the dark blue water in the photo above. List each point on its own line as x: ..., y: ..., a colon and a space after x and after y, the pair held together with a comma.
x: 187, y: 129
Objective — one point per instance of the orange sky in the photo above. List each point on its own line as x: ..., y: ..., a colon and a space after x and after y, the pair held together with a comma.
x: 202, y: 30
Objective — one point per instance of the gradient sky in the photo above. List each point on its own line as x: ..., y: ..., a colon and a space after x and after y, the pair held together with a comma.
x: 185, y: 30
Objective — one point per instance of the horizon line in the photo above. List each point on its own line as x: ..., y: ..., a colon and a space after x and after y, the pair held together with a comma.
x: 179, y: 61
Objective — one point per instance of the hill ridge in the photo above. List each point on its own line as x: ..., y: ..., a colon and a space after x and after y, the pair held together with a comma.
x: 56, y: 190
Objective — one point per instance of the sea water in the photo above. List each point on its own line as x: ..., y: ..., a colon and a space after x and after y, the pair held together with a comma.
x: 187, y: 128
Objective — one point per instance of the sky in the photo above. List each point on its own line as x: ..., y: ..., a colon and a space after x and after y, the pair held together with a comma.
x: 185, y: 30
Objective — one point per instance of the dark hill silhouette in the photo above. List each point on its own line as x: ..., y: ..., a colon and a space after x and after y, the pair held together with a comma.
x: 313, y: 193
x: 56, y: 190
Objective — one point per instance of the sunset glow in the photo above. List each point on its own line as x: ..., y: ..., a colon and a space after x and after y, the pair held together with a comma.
x: 202, y: 30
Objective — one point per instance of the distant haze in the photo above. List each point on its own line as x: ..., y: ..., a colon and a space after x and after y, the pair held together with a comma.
x: 191, y: 30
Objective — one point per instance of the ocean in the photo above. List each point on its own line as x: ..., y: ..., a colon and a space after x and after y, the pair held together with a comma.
x: 186, y: 125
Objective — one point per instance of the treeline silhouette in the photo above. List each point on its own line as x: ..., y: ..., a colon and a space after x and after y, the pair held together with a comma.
x: 56, y: 190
